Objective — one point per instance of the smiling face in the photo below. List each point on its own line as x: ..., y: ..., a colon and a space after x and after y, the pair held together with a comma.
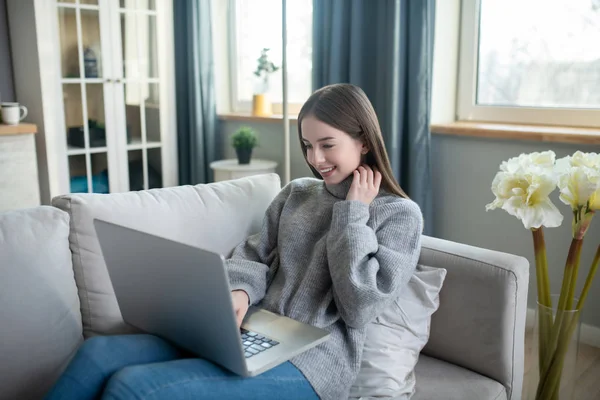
x: 332, y: 152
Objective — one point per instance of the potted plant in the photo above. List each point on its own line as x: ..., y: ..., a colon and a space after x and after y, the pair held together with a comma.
x: 243, y: 141
x: 261, y: 105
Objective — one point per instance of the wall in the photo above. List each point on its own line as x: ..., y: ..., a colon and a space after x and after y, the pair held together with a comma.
x: 7, y: 90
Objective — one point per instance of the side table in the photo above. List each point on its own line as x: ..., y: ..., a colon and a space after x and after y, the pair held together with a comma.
x: 230, y: 169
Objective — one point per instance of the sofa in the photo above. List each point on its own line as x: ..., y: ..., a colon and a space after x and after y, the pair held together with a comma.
x: 55, y: 291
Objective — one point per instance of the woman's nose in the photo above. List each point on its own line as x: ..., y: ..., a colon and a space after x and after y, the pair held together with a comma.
x: 317, y: 157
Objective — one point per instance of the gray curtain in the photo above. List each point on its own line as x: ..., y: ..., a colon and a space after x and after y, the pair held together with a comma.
x: 386, y: 48
x: 197, y: 130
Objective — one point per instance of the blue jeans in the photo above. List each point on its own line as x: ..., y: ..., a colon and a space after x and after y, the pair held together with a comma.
x: 147, y: 367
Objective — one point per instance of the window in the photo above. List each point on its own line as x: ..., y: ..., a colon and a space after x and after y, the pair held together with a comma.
x: 256, y: 24
x: 530, y: 61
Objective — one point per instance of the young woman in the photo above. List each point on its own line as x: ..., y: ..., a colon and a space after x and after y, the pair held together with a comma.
x: 333, y: 252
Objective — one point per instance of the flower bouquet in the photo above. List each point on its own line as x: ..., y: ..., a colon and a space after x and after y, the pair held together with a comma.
x: 522, y: 188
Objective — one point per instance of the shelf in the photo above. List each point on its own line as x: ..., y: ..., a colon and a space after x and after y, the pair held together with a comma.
x: 19, y: 129
x: 75, y: 151
x: 136, y: 144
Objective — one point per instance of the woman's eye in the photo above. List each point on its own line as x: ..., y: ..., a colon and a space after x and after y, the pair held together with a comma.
x: 327, y: 146
x: 308, y: 146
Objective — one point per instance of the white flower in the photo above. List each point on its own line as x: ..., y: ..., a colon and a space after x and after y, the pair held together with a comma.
x: 579, y: 179
x: 577, y: 186
x: 578, y: 159
x: 522, y: 188
x: 525, y: 162
x: 588, y: 160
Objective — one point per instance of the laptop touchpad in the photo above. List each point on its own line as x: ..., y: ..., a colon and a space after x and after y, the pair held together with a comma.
x: 256, y: 316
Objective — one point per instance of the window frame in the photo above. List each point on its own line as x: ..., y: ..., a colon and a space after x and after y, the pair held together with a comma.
x: 468, y: 110
x: 238, y: 106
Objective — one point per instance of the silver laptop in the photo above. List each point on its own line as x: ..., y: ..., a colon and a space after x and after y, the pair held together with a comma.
x: 182, y: 293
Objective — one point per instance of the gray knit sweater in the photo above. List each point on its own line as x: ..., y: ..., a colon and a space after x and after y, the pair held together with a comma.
x: 332, y: 263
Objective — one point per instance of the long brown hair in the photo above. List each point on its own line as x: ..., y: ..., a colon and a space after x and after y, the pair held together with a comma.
x: 347, y: 108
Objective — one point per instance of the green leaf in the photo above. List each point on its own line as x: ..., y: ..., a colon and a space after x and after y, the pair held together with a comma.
x: 264, y: 64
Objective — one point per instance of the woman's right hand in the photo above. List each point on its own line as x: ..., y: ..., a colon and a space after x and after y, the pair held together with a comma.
x: 365, y: 184
x: 241, y: 302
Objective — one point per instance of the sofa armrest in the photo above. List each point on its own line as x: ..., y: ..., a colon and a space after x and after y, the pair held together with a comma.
x: 480, y: 324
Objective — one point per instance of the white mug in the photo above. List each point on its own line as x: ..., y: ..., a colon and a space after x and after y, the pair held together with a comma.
x: 13, y: 113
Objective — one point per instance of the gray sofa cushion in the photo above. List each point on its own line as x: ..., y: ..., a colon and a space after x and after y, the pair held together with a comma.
x: 214, y: 216
x: 437, y: 379
x: 40, y: 322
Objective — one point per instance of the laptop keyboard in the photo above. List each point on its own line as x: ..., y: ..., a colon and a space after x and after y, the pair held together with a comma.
x: 255, y: 343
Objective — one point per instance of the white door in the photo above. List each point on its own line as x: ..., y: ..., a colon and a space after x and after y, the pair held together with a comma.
x: 87, y: 95
x: 144, y: 105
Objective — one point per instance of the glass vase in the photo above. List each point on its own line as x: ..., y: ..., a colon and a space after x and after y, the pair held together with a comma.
x: 562, y: 350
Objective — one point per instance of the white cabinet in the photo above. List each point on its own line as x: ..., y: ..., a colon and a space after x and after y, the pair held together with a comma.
x: 98, y: 78
x: 18, y: 167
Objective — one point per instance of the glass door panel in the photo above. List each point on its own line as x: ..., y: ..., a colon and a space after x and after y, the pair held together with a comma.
x: 129, y: 45
x: 152, y: 114
x: 100, y: 175
x: 136, y: 170
x: 90, y: 33
x: 96, y: 122
x: 154, y: 168
x: 152, y: 47
x: 132, y: 115
x: 67, y: 27
x: 76, y: 141
x: 78, y: 173
x: 147, y: 45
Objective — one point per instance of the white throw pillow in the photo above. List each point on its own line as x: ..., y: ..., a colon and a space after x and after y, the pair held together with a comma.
x: 396, y: 338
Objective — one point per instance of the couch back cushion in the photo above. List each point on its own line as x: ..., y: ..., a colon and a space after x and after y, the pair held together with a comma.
x: 40, y: 322
x: 214, y: 216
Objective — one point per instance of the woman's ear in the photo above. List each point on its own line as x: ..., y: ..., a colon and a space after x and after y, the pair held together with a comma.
x: 363, y: 154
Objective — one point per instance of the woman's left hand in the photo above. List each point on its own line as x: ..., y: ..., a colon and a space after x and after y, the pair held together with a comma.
x: 365, y: 185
